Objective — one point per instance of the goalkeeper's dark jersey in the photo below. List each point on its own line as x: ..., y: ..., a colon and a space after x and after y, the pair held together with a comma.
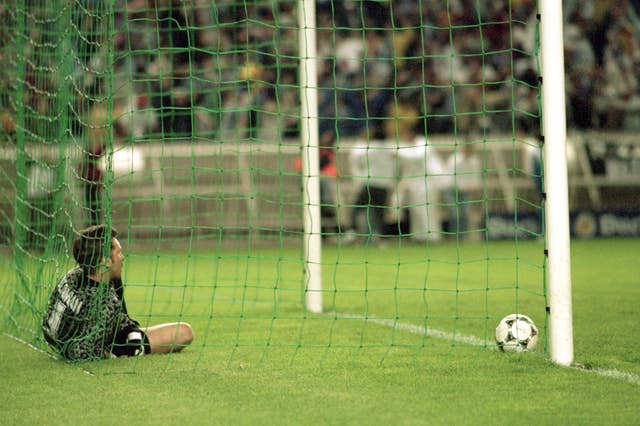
x: 84, y: 317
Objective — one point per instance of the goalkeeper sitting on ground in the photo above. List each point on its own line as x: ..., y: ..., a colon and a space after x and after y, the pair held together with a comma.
x: 87, y: 316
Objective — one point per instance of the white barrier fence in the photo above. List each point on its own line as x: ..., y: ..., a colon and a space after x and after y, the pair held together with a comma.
x: 212, y: 186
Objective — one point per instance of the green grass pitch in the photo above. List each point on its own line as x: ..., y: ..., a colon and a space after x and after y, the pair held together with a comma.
x: 341, y: 369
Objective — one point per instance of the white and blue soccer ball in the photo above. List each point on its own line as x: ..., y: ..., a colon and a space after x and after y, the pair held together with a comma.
x: 516, y: 333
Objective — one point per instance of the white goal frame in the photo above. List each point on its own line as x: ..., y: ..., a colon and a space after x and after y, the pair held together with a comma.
x: 309, y: 141
x: 554, y: 130
x: 555, y: 173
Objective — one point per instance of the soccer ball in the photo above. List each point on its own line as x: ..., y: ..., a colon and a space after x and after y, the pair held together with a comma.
x: 516, y: 333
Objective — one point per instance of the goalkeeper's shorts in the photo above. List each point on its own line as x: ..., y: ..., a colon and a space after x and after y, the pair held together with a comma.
x: 131, y: 342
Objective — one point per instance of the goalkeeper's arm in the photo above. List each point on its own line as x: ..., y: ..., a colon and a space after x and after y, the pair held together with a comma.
x: 130, y: 340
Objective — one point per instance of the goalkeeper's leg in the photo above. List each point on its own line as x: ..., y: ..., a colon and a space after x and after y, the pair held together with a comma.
x: 170, y: 337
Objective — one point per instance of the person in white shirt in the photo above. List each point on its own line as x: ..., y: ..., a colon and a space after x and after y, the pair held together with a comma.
x: 373, y: 170
x: 466, y: 171
x: 422, y: 178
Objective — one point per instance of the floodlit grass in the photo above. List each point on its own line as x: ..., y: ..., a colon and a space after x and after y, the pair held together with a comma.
x: 374, y: 356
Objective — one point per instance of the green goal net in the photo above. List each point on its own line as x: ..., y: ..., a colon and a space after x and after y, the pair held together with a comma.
x: 407, y: 188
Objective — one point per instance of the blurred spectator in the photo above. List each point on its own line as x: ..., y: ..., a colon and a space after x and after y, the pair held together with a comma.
x: 373, y: 169
x: 469, y: 97
x: 7, y: 124
x: 243, y: 105
x: 329, y: 205
x: 91, y: 174
x: 41, y: 181
x: 206, y: 112
x: 403, y: 118
x: 422, y: 179
x: 135, y: 119
x: 621, y: 61
x: 371, y: 49
x: 172, y: 98
x: 90, y: 168
x: 463, y: 192
x: 581, y: 73
x: 466, y: 66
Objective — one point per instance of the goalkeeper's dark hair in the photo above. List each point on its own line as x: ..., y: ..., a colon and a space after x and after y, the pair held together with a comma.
x: 90, y: 245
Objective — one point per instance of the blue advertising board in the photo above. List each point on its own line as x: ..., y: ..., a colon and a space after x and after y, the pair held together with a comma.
x: 584, y: 224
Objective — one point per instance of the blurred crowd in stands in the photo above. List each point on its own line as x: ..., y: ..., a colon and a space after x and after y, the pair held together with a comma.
x: 228, y: 70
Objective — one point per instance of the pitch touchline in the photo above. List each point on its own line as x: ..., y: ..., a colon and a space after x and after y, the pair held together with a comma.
x: 476, y: 341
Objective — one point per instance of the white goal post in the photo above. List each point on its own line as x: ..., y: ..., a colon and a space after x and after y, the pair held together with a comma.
x: 556, y: 183
x: 310, y: 156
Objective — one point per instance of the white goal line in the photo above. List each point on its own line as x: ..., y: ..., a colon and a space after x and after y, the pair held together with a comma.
x: 418, y: 329
x: 476, y: 341
x: 429, y: 332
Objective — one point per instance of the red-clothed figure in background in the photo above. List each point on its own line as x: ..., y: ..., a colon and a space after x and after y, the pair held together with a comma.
x: 92, y: 180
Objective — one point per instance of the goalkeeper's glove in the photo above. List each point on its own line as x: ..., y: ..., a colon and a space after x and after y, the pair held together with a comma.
x: 135, y: 344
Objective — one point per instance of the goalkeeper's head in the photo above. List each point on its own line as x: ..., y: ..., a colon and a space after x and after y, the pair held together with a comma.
x: 90, y: 250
